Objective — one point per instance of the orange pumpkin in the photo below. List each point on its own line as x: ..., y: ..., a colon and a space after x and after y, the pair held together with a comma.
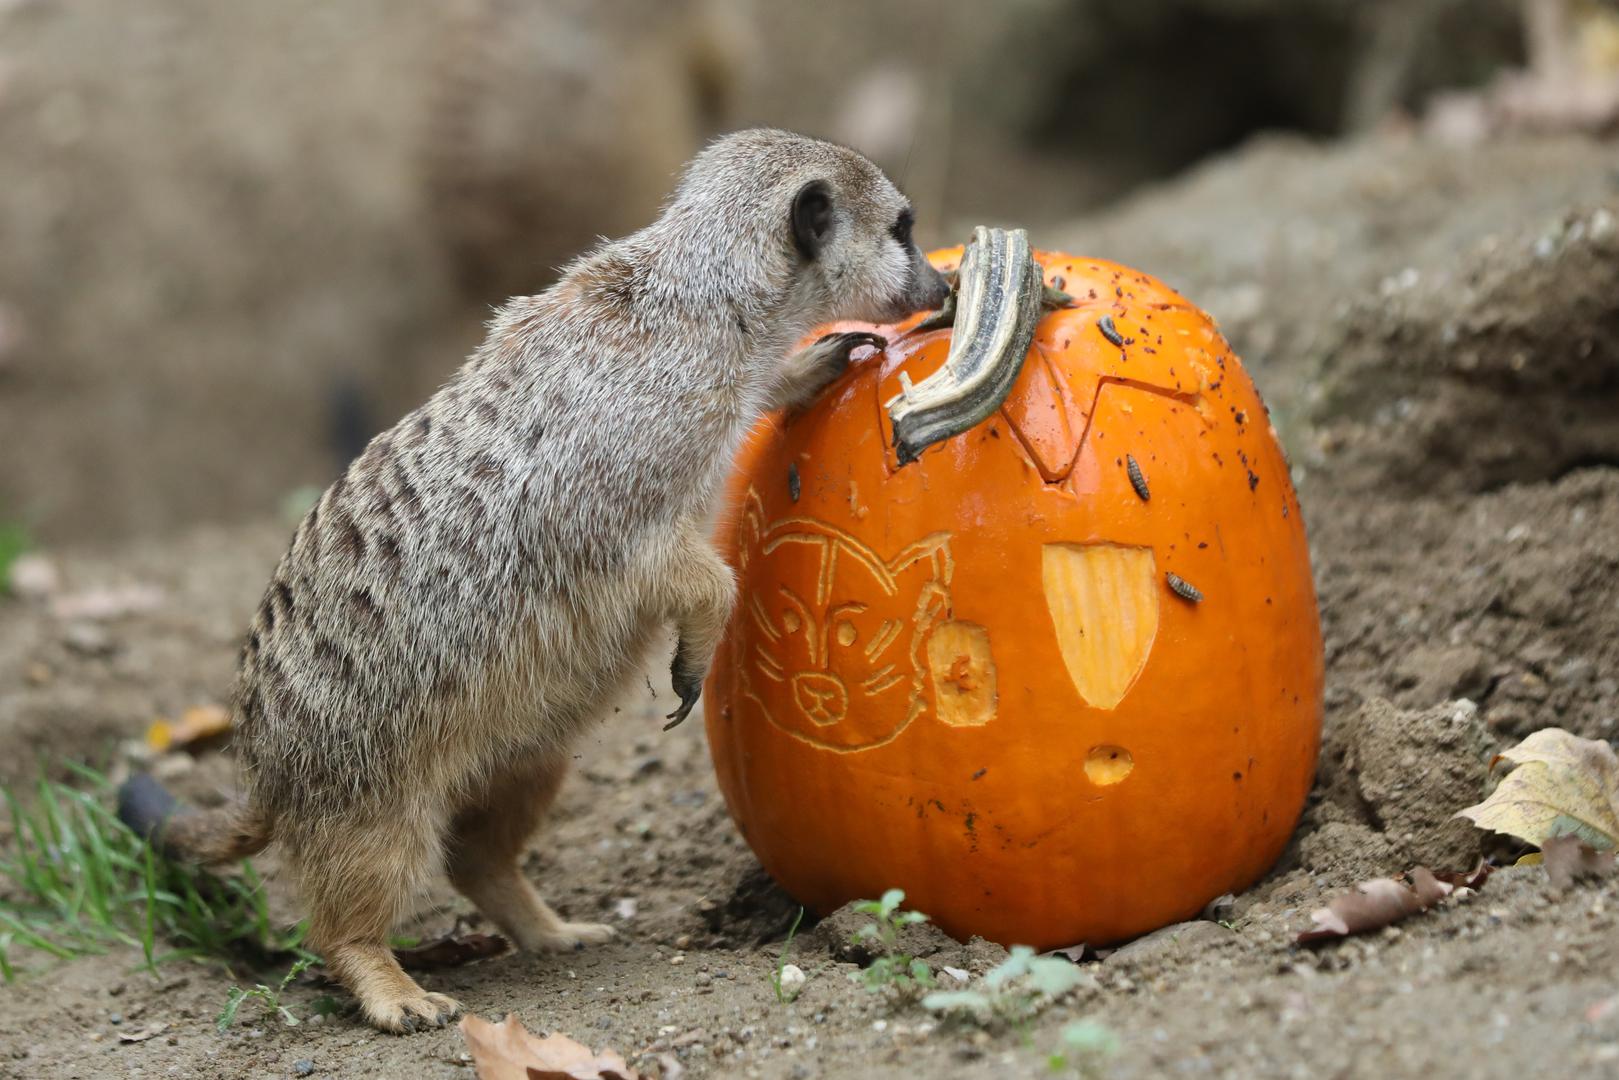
x: 973, y: 676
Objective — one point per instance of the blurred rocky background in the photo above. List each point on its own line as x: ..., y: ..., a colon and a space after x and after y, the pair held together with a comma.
x: 236, y: 239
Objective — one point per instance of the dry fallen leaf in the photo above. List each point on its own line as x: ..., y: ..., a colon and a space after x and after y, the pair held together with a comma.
x: 1568, y: 859
x: 1472, y: 879
x: 195, y: 724
x: 150, y: 1031
x: 1563, y: 785
x: 1376, y: 904
x: 1076, y: 953
x: 505, y: 1051
x: 451, y: 951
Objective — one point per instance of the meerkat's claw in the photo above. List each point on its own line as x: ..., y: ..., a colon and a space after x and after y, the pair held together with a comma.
x: 848, y: 341
x: 688, y: 698
x: 687, y: 683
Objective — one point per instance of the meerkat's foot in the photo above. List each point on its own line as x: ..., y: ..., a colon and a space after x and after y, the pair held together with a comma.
x: 569, y: 936
x: 389, y: 999
x: 409, y: 1013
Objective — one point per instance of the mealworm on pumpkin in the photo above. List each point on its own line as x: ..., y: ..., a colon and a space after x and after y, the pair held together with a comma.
x: 1109, y: 331
x: 793, y: 486
x: 1183, y: 588
x: 1138, y: 480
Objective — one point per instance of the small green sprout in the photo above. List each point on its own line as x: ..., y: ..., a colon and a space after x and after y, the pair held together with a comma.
x: 1087, y: 1045
x: 895, y: 971
x: 270, y: 997
x: 1013, y: 992
x: 787, y: 995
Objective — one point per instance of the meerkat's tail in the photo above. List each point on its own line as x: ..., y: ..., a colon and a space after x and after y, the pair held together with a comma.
x: 231, y: 832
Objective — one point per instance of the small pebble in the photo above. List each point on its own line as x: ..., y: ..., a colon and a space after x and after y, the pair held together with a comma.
x: 303, y: 1067
x: 87, y: 639
x: 792, y: 979
x: 170, y: 766
x: 33, y: 577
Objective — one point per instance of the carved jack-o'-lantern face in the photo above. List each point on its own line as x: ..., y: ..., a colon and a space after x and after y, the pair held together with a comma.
x: 983, y: 677
x: 851, y: 633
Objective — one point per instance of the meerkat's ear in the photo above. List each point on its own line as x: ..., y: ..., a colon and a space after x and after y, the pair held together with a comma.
x: 812, y: 217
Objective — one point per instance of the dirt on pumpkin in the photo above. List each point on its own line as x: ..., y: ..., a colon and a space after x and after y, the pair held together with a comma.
x: 1468, y: 598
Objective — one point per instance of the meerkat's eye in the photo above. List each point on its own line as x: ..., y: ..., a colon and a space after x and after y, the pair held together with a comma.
x: 901, y: 229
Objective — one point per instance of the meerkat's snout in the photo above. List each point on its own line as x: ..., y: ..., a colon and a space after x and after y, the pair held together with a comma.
x: 929, y: 289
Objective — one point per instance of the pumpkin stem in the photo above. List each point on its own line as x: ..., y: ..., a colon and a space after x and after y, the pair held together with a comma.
x: 998, y: 300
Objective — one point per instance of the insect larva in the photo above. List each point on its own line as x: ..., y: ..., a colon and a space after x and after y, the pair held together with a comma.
x: 1183, y: 588
x: 1109, y: 331
x: 1138, y: 480
x: 793, y: 486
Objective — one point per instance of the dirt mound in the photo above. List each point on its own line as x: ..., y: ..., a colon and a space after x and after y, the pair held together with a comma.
x: 1501, y: 368
x: 1509, y: 598
x: 1283, y: 241
x: 1400, y: 776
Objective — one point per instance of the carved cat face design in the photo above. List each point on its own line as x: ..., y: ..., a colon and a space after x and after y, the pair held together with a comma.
x: 838, y: 642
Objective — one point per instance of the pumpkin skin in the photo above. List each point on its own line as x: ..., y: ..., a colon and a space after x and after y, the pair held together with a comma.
x: 968, y: 677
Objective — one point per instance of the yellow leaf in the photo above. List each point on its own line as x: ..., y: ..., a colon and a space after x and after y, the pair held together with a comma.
x: 160, y: 735
x: 196, y: 723
x: 1562, y: 785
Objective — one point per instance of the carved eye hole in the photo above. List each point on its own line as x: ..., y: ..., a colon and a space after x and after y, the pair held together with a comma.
x: 847, y: 633
x: 791, y: 622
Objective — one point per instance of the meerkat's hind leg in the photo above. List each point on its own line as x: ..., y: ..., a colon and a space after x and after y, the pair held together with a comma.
x: 486, y: 844
x: 355, y: 881
x: 702, y: 591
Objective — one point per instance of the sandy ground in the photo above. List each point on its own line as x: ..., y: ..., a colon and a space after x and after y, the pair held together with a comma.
x: 1461, y: 611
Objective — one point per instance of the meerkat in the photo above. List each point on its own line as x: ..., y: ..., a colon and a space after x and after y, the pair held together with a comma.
x: 488, y: 573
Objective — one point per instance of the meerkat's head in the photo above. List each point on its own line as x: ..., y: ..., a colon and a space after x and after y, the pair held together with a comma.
x: 831, y: 233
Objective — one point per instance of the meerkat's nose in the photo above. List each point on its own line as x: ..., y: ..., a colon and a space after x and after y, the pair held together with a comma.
x: 931, y: 289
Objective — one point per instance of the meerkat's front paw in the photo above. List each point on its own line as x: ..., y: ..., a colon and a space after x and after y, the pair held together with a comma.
x: 408, y: 1014
x: 687, y: 681
x: 832, y: 351
x: 813, y: 368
